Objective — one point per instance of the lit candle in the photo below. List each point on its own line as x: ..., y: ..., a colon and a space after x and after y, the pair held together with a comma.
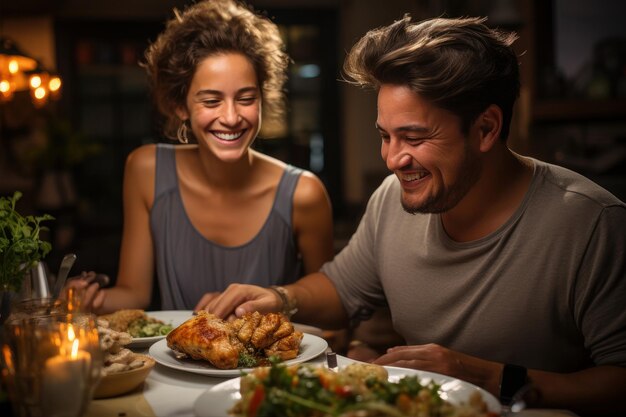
x: 65, y: 379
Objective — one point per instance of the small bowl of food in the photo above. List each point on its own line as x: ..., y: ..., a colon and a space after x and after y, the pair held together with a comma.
x: 144, y: 328
x: 118, y: 382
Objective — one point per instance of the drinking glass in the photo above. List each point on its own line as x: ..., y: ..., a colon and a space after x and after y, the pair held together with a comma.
x: 34, y: 297
x: 51, y: 364
x: 35, y: 307
x: 36, y: 283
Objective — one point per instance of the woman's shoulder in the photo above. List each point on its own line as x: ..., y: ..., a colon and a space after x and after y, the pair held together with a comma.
x: 145, y: 155
x: 141, y: 163
x: 142, y: 156
x: 310, y: 190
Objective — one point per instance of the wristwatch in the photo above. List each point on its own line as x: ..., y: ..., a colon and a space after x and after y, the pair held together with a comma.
x: 290, y: 304
x: 513, y: 378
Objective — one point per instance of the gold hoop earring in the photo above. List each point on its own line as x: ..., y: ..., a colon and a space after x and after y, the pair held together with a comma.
x: 181, y: 133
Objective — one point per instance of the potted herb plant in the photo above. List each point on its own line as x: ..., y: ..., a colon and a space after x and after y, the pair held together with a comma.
x: 20, y: 247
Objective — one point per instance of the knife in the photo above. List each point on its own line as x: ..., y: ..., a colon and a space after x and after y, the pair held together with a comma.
x: 64, y: 270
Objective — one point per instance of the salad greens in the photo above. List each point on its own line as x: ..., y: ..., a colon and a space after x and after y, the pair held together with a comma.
x: 313, y: 391
x: 148, y: 327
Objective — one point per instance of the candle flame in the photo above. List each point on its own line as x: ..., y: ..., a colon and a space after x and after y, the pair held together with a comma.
x: 8, y: 356
x: 74, y: 353
x: 71, y: 335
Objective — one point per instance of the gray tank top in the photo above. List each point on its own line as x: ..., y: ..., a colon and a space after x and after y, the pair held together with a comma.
x: 189, y: 265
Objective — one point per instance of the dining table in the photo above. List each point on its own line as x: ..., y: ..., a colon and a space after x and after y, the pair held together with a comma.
x: 169, y: 391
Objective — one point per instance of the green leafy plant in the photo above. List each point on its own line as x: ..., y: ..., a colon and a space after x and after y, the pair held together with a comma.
x: 20, y: 245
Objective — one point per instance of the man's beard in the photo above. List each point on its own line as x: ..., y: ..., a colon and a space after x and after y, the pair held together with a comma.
x: 449, y: 197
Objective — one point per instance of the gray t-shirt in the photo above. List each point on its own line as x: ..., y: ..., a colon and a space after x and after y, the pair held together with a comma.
x: 546, y: 290
x: 189, y: 265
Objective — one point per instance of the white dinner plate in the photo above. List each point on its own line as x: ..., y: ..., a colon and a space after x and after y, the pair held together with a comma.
x: 304, y: 328
x: 216, y: 401
x: 173, y: 317
x: 310, y: 347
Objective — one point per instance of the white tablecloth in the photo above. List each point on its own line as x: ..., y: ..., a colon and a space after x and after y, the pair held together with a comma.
x: 172, y: 393
x: 168, y: 392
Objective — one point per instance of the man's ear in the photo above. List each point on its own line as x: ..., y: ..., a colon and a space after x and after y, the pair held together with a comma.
x: 489, y: 125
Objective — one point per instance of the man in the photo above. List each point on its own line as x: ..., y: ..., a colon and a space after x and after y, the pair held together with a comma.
x: 498, y: 269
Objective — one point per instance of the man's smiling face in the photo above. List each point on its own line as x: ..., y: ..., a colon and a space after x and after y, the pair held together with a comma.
x: 424, y: 147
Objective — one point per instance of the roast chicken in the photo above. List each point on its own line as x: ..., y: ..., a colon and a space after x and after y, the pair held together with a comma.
x: 223, y: 344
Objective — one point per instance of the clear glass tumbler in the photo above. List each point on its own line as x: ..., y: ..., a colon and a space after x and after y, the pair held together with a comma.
x: 51, y: 364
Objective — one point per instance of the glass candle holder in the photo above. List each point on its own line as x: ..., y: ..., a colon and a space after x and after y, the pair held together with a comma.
x: 34, y: 307
x: 51, y: 364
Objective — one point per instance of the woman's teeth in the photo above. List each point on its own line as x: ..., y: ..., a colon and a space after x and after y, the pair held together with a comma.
x: 228, y: 136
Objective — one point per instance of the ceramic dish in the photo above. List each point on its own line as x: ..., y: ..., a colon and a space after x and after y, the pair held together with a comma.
x: 311, y: 347
x: 122, y: 382
x: 172, y: 317
x: 216, y: 401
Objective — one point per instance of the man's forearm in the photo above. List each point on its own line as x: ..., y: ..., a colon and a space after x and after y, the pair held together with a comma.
x: 596, y: 391
x: 318, y: 302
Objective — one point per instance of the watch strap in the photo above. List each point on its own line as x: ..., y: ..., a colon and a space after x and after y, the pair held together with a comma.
x: 513, y: 378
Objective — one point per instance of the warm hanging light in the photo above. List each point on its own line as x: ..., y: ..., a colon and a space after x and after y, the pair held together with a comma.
x: 39, y: 96
x: 6, y: 93
x: 19, y: 72
x: 54, y: 84
x: 14, y: 59
x: 35, y: 81
x: 14, y: 66
x: 13, y: 63
x: 44, y: 85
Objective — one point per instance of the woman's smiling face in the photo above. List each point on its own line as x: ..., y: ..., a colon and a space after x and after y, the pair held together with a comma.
x: 224, y: 105
x: 424, y: 147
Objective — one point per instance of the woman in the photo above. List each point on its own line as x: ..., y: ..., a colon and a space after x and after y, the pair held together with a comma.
x: 216, y: 211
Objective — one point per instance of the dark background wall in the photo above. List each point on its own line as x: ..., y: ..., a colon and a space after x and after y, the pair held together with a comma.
x: 68, y: 156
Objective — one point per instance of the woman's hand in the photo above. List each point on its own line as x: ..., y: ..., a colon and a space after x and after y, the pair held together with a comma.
x: 86, y: 290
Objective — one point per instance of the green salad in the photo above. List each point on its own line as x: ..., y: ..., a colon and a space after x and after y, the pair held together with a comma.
x: 148, y: 327
x: 358, y: 390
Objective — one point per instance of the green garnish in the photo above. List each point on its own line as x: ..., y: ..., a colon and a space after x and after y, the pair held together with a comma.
x: 246, y: 360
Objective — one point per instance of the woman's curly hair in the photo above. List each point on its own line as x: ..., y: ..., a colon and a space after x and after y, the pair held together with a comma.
x: 207, y: 28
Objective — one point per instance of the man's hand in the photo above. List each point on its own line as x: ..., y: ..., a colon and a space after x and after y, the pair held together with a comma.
x: 436, y: 358
x: 205, y: 300
x: 239, y: 299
